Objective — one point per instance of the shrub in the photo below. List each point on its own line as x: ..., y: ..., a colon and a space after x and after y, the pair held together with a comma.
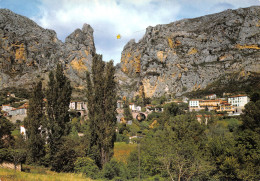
x: 65, y: 157
x: 114, y: 169
x: 233, y: 124
x: 122, y: 138
x: 86, y: 166
x: 153, y: 115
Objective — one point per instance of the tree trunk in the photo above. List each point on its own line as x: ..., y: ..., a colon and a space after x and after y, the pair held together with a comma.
x: 104, y: 157
x: 179, y: 175
x: 15, y: 164
x: 168, y: 169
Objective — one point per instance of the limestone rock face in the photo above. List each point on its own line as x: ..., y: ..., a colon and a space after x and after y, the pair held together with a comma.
x: 189, y: 54
x: 79, y: 49
x: 28, y: 52
x: 174, y: 58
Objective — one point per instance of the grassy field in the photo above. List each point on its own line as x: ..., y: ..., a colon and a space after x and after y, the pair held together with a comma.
x: 16, y: 132
x: 226, y: 123
x: 11, y: 175
x: 123, y: 150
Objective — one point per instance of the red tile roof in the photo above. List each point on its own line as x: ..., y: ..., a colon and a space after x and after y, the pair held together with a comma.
x: 239, y: 95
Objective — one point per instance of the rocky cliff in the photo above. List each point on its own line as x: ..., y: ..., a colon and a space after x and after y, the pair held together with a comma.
x: 28, y: 52
x: 174, y: 58
x: 190, y: 54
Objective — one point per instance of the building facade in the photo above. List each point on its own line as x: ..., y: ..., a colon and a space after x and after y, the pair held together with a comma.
x: 134, y: 107
x: 7, y: 108
x: 120, y: 104
x: 211, y: 96
x: 226, y: 107
x: 194, y: 104
x: 238, y: 100
x: 199, y: 104
x: 17, y: 111
x: 22, y: 130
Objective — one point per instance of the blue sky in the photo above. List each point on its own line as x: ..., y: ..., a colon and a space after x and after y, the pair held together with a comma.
x: 129, y: 18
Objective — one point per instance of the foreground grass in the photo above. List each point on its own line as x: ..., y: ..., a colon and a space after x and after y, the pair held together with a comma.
x: 16, y: 132
x: 123, y: 150
x: 11, y: 175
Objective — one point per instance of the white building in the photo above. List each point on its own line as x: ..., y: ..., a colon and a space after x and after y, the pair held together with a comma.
x: 194, y: 104
x: 120, y: 104
x: 22, y: 130
x: 158, y: 109
x: 77, y: 105
x: 139, y: 108
x: 18, y: 111
x: 238, y: 100
x: 6, y: 108
x: 133, y: 107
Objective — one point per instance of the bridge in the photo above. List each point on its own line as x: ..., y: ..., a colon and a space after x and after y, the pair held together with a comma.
x: 134, y: 114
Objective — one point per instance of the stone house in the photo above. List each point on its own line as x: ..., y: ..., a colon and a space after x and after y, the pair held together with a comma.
x: 134, y: 107
x: 149, y: 108
x: 79, y: 106
x: 158, y: 109
x: 119, y: 104
x: 211, y: 96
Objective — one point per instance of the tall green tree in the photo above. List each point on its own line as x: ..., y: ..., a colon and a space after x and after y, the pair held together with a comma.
x: 34, y: 125
x: 110, y: 105
x: 5, y: 132
x: 176, y: 151
x: 58, y: 96
x: 172, y: 109
x: 248, y: 141
x: 101, y: 96
x: 95, y: 96
x: 251, y: 116
x: 127, y: 112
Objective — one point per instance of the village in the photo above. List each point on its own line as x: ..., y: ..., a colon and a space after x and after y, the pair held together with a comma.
x: 230, y: 105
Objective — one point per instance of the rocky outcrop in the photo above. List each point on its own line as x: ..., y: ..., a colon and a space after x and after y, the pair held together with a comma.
x: 174, y: 58
x: 28, y: 52
x: 190, y: 54
x: 79, y: 49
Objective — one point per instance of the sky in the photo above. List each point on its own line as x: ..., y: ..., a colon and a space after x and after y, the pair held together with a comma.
x: 108, y: 18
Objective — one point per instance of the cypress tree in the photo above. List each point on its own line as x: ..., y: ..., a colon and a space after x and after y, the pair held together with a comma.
x: 95, y: 106
x: 127, y: 112
x: 58, y: 99
x: 110, y: 105
x: 6, y: 138
x: 101, y: 96
x: 33, y: 123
